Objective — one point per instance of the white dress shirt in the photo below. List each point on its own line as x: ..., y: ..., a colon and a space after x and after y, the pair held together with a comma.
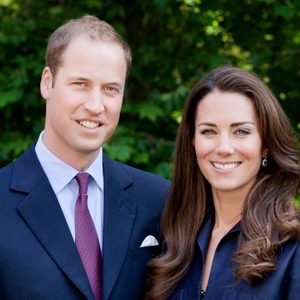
x: 61, y: 178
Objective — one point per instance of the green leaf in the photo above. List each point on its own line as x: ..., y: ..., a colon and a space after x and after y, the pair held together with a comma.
x: 284, y: 11
x: 149, y: 111
x: 9, y: 97
x: 119, y: 152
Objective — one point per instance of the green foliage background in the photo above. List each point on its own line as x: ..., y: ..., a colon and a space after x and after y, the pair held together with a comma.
x: 174, y: 43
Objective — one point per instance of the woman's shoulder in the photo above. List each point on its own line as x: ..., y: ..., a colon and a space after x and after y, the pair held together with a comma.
x: 288, y: 252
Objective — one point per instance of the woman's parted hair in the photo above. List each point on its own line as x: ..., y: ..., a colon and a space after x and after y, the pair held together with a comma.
x: 269, y: 217
x: 87, y: 25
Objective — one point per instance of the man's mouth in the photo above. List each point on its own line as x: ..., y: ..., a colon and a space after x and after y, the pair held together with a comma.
x: 226, y: 166
x: 89, y: 124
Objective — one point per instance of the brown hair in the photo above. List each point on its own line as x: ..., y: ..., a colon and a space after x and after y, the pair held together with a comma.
x: 269, y: 216
x: 88, y: 25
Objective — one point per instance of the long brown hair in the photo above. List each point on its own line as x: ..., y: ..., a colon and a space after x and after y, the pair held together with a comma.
x: 269, y: 216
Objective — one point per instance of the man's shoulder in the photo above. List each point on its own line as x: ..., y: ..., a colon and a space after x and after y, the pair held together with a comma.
x: 6, y: 171
x: 136, y: 174
x: 25, y: 162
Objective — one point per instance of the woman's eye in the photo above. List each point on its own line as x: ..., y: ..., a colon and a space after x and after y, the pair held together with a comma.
x: 242, y: 132
x: 207, y: 132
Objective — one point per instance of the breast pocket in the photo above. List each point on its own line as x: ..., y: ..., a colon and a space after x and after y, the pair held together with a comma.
x: 145, y: 253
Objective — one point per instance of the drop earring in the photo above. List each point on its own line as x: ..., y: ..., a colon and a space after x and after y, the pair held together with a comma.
x: 264, y: 161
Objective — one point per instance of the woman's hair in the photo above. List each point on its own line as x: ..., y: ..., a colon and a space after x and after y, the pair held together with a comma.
x: 269, y: 216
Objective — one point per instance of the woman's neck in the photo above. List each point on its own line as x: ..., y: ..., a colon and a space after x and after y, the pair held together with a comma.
x: 228, y: 209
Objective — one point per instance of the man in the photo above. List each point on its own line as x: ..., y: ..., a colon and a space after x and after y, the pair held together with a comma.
x: 53, y: 245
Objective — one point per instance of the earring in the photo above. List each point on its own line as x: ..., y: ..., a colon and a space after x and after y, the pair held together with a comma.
x: 264, y: 161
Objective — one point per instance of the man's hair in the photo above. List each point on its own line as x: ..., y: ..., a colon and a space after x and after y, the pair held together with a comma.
x: 87, y: 25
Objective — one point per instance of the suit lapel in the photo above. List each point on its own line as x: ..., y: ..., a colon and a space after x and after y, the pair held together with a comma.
x: 119, y: 215
x: 42, y: 213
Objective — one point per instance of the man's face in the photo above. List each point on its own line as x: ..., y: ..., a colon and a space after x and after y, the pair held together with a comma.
x: 84, y: 100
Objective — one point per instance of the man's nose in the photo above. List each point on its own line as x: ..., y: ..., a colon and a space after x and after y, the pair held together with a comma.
x: 95, y: 102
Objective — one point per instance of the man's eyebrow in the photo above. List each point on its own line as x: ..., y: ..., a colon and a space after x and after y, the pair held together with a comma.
x: 82, y: 78
x: 114, y: 83
x: 79, y: 77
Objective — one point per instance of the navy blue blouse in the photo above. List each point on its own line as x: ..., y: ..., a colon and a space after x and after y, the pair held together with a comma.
x: 282, y: 284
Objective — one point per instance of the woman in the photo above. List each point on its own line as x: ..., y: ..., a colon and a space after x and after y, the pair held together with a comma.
x: 231, y: 228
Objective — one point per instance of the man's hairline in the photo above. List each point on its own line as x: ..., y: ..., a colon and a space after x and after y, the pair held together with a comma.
x: 88, y: 36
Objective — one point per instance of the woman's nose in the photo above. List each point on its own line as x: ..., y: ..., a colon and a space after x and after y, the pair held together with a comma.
x: 225, y: 145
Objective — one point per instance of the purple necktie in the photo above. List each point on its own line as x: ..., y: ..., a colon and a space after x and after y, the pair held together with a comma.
x: 86, y: 238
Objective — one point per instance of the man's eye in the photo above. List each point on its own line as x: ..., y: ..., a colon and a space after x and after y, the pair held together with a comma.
x: 112, y: 89
x: 79, y: 83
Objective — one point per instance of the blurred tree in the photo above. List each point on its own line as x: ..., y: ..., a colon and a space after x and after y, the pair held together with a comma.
x: 174, y: 43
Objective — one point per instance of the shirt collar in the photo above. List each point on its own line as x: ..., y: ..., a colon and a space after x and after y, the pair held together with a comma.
x: 59, y: 173
x: 96, y: 170
x: 204, y: 234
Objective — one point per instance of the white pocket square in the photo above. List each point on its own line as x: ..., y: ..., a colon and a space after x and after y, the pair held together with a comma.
x: 149, y: 241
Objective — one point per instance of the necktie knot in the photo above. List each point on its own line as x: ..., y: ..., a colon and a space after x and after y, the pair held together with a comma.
x: 83, y: 181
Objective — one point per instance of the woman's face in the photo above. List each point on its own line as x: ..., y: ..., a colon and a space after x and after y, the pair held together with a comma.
x: 227, y: 141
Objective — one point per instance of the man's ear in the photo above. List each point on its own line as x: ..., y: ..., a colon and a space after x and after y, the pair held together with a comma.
x: 46, y: 83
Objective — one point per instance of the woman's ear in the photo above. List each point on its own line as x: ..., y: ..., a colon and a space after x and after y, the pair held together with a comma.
x: 265, y: 152
x: 46, y: 83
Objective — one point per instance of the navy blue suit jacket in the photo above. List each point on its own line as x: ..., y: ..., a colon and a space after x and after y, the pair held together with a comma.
x: 38, y: 257
x: 282, y: 284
